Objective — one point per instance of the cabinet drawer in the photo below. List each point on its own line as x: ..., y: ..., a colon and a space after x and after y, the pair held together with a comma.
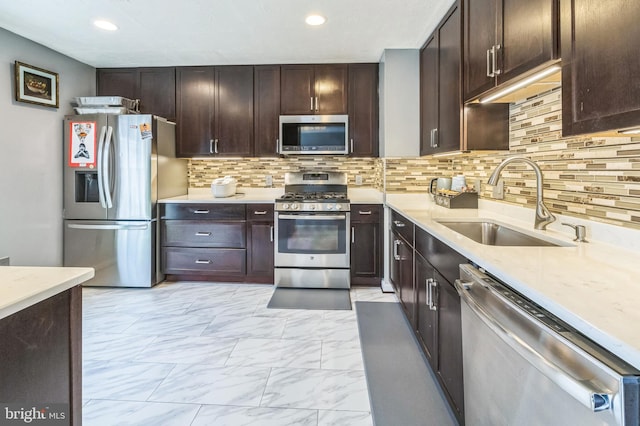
x: 260, y: 212
x: 402, y: 226
x: 189, y: 233
x: 197, y: 211
x: 204, y: 261
x: 366, y: 213
x: 440, y: 255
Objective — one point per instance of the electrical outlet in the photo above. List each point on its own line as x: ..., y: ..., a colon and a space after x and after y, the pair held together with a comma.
x: 268, y: 180
x: 498, y: 190
x: 358, y: 180
x: 478, y: 186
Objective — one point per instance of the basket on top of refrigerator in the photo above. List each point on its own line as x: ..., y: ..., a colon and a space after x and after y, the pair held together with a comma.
x: 106, y: 104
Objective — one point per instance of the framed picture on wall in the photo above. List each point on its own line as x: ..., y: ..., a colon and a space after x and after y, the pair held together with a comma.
x: 36, y: 85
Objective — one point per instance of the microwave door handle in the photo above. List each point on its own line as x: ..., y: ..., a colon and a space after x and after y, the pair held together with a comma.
x: 106, y: 164
x: 100, y: 155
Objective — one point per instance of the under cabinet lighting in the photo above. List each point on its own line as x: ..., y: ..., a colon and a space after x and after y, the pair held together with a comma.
x: 630, y: 132
x: 449, y: 153
x: 105, y: 25
x: 519, y: 85
x: 315, y: 20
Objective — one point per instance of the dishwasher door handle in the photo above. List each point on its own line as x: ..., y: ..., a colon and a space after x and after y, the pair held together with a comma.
x: 592, y: 398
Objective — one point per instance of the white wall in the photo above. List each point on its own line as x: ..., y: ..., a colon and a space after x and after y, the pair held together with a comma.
x: 400, y: 103
x: 31, y: 154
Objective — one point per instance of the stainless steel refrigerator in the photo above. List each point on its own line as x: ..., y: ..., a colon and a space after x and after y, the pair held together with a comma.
x: 116, y: 168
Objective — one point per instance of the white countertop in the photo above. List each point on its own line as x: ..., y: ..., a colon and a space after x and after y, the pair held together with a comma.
x: 266, y: 195
x: 594, y: 287
x: 24, y: 286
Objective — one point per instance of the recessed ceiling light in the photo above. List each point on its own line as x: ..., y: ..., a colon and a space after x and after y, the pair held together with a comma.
x: 315, y: 20
x: 105, y: 25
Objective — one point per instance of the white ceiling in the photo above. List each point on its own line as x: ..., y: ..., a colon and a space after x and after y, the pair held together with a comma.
x: 222, y: 32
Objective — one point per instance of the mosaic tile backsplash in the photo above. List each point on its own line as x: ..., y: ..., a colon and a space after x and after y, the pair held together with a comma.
x: 595, y: 178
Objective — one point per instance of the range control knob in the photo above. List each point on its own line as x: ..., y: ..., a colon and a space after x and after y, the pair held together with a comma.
x: 285, y: 206
x: 295, y: 206
x: 338, y: 206
x: 312, y: 206
x: 330, y: 206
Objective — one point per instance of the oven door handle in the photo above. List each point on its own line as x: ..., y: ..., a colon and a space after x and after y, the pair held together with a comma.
x: 311, y: 217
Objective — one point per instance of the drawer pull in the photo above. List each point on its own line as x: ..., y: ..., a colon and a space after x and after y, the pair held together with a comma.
x: 398, y: 224
x: 203, y: 234
x: 260, y: 213
x: 203, y: 262
x: 201, y: 211
x: 364, y: 212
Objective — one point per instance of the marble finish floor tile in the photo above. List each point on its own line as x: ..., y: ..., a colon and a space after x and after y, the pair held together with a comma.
x: 220, y: 415
x: 187, y: 350
x: 112, y: 322
x: 245, y: 327
x: 113, y: 346
x: 129, y: 381
x: 321, y: 329
x: 341, y: 355
x: 212, y: 307
x: 316, y: 389
x: 276, y: 353
x: 344, y: 418
x: 182, y: 325
x: 372, y: 294
x: 204, y: 384
x: 129, y: 413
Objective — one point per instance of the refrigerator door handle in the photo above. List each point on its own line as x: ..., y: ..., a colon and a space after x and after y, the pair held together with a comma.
x: 109, y: 227
x: 103, y: 132
x: 106, y: 163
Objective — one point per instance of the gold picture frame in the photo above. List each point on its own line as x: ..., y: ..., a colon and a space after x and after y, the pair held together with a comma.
x: 36, y: 85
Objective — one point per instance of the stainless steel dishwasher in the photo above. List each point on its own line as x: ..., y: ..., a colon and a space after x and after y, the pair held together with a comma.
x: 523, y: 366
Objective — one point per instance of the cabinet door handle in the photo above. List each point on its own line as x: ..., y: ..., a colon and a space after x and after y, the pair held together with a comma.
x: 311, y: 107
x: 489, y: 73
x: 216, y: 146
x: 259, y: 213
x: 396, y: 256
x: 398, y: 224
x: 203, y: 234
x: 427, y: 289
x: 211, y: 146
x: 353, y: 235
x: 433, y: 284
x: 496, y: 50
x: 431, y: 138
x: 203, y: 262
x: 201, y: 212
x: 362, y: 212
x: 277, y: 146
x: 435, y: 138
x: 351, y: 146
x: 316, y: 103
x: 271, y: 232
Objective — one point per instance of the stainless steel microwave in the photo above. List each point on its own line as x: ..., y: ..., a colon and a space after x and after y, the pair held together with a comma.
x: 314, y: 134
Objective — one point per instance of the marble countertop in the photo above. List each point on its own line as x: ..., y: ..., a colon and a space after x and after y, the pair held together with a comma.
x: 24, y: 286
x: 266, y: 195
x: 594, y: 286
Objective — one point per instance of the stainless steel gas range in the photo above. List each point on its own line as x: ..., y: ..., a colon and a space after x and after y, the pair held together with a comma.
x: 312, y: 222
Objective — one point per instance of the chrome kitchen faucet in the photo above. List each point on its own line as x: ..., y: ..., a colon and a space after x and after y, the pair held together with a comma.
x: 543, y: 215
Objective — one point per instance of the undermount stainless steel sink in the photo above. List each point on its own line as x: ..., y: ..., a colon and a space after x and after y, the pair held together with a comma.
x: 494, y: 234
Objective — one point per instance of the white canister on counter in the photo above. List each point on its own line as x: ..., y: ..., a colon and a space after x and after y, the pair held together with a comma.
x: 458, y: 183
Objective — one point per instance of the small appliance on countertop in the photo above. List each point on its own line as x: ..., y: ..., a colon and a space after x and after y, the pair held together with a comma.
x: 224, y: 187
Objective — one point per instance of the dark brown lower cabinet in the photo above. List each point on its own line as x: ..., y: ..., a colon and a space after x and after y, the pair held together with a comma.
x: 217, y: 242
x: 423, y: 277
x: 260, y: 235
x: 40, y: 354
x: 366, y: 244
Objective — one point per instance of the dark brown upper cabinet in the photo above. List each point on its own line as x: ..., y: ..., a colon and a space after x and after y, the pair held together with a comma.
x: 600, y: 66
x: 446, y: 126
x: 363, y: 110
x: 440, y: 95
x: 214, y: 107
x: 314, y: 89
x: 266, y: 101
x: 157, y: 91
x: 154, y: 87
x: 117, y: 82
x: 506, y: 39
